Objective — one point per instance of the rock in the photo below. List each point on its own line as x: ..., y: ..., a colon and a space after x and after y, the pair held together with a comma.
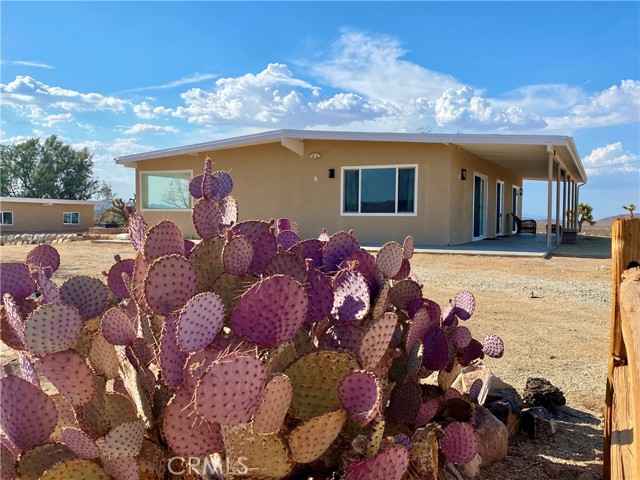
x: 123, y: 236
x: 54, y: 236
x: 472, y: 469
x: 26, y: 237
x: 539, y: 392
x: 505, y: 404
x: 493, y: 436
x: 538, y: 422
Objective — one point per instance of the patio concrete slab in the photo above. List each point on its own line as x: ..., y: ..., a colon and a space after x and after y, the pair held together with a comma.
x: 524, y: 245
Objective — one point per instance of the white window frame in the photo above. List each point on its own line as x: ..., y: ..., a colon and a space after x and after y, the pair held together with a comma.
x: 71, y: 223
x: 153, y: 172
x: 372, y: 167
x: 486, y: 206
x: 2, y: 218
x: 516, y: 189
x: 500, y: 203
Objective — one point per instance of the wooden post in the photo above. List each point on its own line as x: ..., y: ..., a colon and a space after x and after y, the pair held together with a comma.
x: 625, y: 247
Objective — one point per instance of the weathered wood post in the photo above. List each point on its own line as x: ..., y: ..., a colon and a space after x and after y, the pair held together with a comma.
x: 622, y: 402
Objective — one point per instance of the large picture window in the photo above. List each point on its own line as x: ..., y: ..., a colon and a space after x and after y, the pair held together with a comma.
x: 6, y: 218
x: 165, y: 190
x: 379, y: 190
x: 70, y: 218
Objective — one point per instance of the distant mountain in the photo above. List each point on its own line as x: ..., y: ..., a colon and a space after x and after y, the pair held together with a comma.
x: 608, y: 221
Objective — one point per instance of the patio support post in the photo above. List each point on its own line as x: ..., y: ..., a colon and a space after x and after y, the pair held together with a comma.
x: 564, y: 201
x: 550, y: 155
x: 558, y: 222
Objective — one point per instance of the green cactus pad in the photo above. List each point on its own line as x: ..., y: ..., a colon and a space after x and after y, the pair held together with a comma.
x: 103, y: 357
x: 311, y: 439
x: 76, y: 469
x: 274, y: 406
x: 265, y: 456
x: 37, y: 460
x: 206, y: 257
x: 52, y: 328
x: 123, y: 440
x: 375, y: 436
x: 315, y: 378
x: 376, y: 340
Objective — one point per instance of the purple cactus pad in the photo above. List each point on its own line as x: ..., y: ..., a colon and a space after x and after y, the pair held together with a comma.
x: 52, y: 328
x: 231, y: 403
x: 319, y: 296
x: 117, y: 327
x: 170, y: 282
x: 200, y: 321
x: 228, y: 211
x: 428, y: 410
x: 69, y: 373
x: 137, y: 228
x: 359, y: 394
x: 195, y: 186
x: 436, y: 349
x: 460, y: 444
x: 408, y: 247
x: 287, y: 263
x: 172, y: 358
x: 389, y: 259
x: 16, y: 280
x: 271, y: 312
x: 465, y: 305
x: 339, y: 247
x: 376, y: 340
x: 275, y: 403
x: 264, y: 242
x: 389, y: 464
x: 164, y: 238
x: 44, y: 256
x: 207, y: 218
x: 237, y: 255
x: 351, y: 298
x: 492, y: 345
x: 461, y: 337
x: 114, y: 277
x: 89, y: 295
x: 309, y: 249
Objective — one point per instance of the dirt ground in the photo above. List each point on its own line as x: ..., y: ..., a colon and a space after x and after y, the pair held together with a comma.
x: 563, y: 338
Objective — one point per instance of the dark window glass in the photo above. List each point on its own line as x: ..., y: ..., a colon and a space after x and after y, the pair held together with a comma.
x: 351, y: 190
x: 406, y: 190
x: 378, y: 190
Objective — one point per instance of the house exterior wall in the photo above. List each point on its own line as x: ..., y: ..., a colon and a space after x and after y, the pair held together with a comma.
x: 38, y: 218
x: 270, y: 181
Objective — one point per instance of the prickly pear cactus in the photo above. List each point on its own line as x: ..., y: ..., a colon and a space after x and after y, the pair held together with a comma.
x: 288, y: 357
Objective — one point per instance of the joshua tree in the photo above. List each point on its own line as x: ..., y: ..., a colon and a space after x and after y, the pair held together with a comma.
x: 585, y: 214
x: 631, y: 207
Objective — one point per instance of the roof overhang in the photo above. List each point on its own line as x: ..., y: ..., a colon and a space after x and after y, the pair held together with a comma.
x: 525, y: 154
x: 51, y: 201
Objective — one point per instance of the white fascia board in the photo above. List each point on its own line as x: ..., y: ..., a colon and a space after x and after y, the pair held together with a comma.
x: 51, y: 201
x: 301, y: 135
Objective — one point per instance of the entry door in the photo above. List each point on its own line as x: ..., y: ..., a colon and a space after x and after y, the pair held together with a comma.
x: 500, y: 208
x: 514, y: 205
x: 479, y: 207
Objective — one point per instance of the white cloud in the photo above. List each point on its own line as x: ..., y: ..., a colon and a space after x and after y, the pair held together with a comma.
x: 542, y: 99
x: 147, y: 128
x: 463, y: 108
x: 617, y: 105
x: 610, y: 159
x: 24, y: 91
x: 146, y: 111
x: 54, y: 119
x: 15, y: 139
x: 262, y: 98
x: 195, y: 78
x: 373, y: 67
x: 26, y: 63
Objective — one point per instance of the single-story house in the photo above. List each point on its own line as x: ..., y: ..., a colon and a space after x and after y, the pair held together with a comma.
x: 45, y: 215
x: 443, y: 189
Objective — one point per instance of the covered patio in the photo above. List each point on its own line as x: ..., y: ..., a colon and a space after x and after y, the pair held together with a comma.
x: 552, y: 159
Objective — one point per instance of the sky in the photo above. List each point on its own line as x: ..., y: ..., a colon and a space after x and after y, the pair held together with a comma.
x: 128, y: 77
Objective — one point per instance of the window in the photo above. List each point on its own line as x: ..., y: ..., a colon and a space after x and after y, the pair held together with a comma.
x: 6, y: 218
x: 379, y: 190
x: 165, y: 190
x: 70, y: 218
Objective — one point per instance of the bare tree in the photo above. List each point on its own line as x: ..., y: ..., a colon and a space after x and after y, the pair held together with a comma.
x: 177, y: 193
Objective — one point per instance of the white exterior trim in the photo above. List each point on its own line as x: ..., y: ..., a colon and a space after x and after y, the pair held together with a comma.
x: 151, y: 172
x: 289, y: 138
x: 50, y: 201
x: 371, y: 167
x: 486, y: 204
x: 2, y: 215
x: 498, y: 205
x: 72, y: 222
x: 516, y: 188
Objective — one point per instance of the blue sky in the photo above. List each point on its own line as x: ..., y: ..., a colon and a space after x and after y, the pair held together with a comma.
x: 123, y: 77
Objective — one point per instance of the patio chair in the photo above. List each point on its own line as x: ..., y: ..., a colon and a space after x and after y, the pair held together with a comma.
x: 525, y: 226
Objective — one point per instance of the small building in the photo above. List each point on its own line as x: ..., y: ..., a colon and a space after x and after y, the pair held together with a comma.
x: 45, y: 215
x: 443, y: 189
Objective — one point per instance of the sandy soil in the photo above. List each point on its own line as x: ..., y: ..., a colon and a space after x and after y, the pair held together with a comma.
x: 553, y: 316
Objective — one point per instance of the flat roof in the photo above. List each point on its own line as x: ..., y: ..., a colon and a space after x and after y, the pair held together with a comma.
x: 50, y: 201
x: 526, y: 154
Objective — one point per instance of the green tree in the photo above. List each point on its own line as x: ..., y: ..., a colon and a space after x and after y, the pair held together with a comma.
x: 631, y: 207
x: 51, y: 169
x: 585, y: 214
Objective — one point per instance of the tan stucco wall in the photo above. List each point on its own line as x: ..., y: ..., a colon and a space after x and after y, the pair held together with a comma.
x: 37, y: 218
x: 462, y: 195
x: 271, y: 181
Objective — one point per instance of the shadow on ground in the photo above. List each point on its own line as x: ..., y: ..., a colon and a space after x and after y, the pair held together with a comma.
x: 574, y: 453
